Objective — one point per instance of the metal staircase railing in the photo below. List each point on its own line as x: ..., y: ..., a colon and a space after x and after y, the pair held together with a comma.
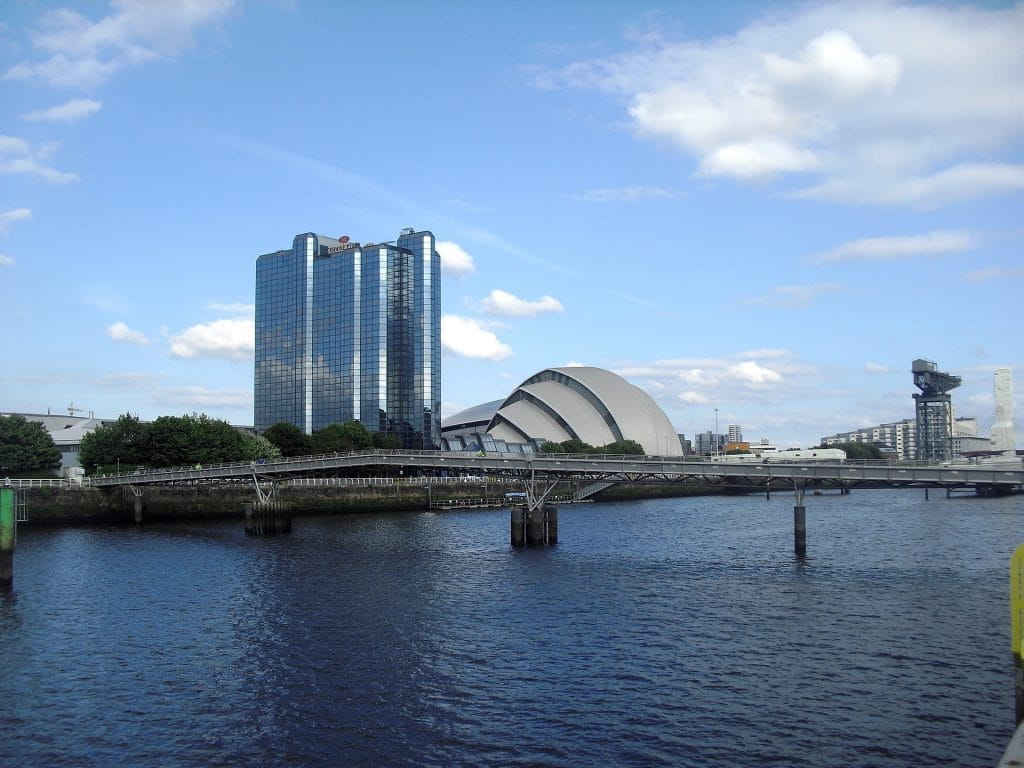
x: 591, y: 489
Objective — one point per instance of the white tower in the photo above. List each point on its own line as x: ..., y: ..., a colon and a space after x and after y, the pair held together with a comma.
x: 1003, y: 433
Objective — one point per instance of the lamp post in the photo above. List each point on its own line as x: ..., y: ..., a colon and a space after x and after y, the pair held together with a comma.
x: 714, y: 438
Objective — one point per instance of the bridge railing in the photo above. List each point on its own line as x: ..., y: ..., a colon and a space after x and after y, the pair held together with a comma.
x: 40, y: 482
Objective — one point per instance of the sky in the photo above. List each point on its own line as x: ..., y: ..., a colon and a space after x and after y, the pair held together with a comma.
x: 758, y: 212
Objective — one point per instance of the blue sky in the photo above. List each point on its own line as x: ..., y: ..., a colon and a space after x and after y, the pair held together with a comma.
x: 766, y: 208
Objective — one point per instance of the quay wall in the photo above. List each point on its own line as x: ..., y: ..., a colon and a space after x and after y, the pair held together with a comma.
x: 87, y: 506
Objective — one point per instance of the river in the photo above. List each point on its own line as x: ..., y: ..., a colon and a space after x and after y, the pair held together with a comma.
x: 676, y: 632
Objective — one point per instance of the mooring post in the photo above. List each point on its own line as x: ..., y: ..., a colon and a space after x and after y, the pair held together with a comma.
x: 799, y: 522
x: 8, y: 523
x: 926, y: 493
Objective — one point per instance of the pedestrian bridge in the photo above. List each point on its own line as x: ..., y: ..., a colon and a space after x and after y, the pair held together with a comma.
x: 542, y: 467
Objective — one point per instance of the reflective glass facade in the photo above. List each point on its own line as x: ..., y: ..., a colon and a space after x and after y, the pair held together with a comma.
x: 348, y: 332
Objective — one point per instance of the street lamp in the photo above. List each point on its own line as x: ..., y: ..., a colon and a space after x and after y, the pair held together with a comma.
x: 714, y: 438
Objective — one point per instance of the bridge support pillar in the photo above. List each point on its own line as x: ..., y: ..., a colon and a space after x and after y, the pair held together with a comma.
x: 518, y: 526
x: 264, y: 518
x: 799, y: 522
x: 138, y: 509
x: 800, y: 530
x: 8, y: 530
x: 534, y: 527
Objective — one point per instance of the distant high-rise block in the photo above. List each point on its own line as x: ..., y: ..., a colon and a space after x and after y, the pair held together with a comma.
x: 350, y: 332
x: 1004, y: 435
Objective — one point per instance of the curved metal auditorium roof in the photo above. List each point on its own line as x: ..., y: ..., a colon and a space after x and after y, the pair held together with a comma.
x: 589, y: 404
x: 476, y: 416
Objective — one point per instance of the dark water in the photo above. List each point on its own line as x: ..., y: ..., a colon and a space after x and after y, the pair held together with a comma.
x: 665, y: 632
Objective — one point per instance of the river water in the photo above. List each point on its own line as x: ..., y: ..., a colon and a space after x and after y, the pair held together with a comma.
x: 677, y: 632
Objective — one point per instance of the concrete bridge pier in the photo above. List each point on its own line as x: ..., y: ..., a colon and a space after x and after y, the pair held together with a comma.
x: 534, y: 527
x: 138, y: 509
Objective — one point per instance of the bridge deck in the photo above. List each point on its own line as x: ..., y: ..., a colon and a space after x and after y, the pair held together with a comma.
x: 592, y: 468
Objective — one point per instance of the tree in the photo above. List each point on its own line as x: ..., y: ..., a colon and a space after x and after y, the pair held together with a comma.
x: 858, y: 451
x: 625, y: 447
x: 258, y: 447
x: 170, y: 442
x: 337, y: 438
x: 386, y: 440
x: 569, y: 446
x: 26, y: 446
x: 119, y: 443
x: 216, y: 441
x: 289, y: 439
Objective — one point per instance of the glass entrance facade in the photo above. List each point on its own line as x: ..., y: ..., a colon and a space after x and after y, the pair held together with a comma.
x: 351, y: 332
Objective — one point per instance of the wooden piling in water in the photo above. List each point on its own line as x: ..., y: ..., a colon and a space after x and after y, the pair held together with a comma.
x: 266, y: 518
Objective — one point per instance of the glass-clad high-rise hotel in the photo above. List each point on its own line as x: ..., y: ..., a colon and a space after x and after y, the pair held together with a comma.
x: 351, y: 332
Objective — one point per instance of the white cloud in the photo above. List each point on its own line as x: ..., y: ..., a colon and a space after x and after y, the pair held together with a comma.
x: 693, y: 398
x: 465, y: 337
x: 794, y: 296
x: 102, y: 296
x: 17, y: 214
x: 122, y: 333
x: 994, y: 273
x: 623, y: 194
x: 851, y: 96
x: 752, y: 373
x: 235, y: 308
x: 85, y: 53
x: 964, y: 181
x: 19, y: 156
x: 197, y: 398
x: 68, y: 112
x: 129, y: 380
x: 6, y: 261
x: 229, y: 339
x: 898, y: 248
x: 760, y: 378
x: 505, y: 304
x: 454, y: 260
x: 875, y: 368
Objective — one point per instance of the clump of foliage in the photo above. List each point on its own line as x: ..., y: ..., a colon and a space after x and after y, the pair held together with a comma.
x: 619, y: 447
x: 334, y: 438
x: 26, y: 447
x: 289, y: 439
x: 858, y: 451
x: 169, y: 441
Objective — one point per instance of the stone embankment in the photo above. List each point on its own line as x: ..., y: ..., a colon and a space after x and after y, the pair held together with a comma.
x: 65, y: 506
